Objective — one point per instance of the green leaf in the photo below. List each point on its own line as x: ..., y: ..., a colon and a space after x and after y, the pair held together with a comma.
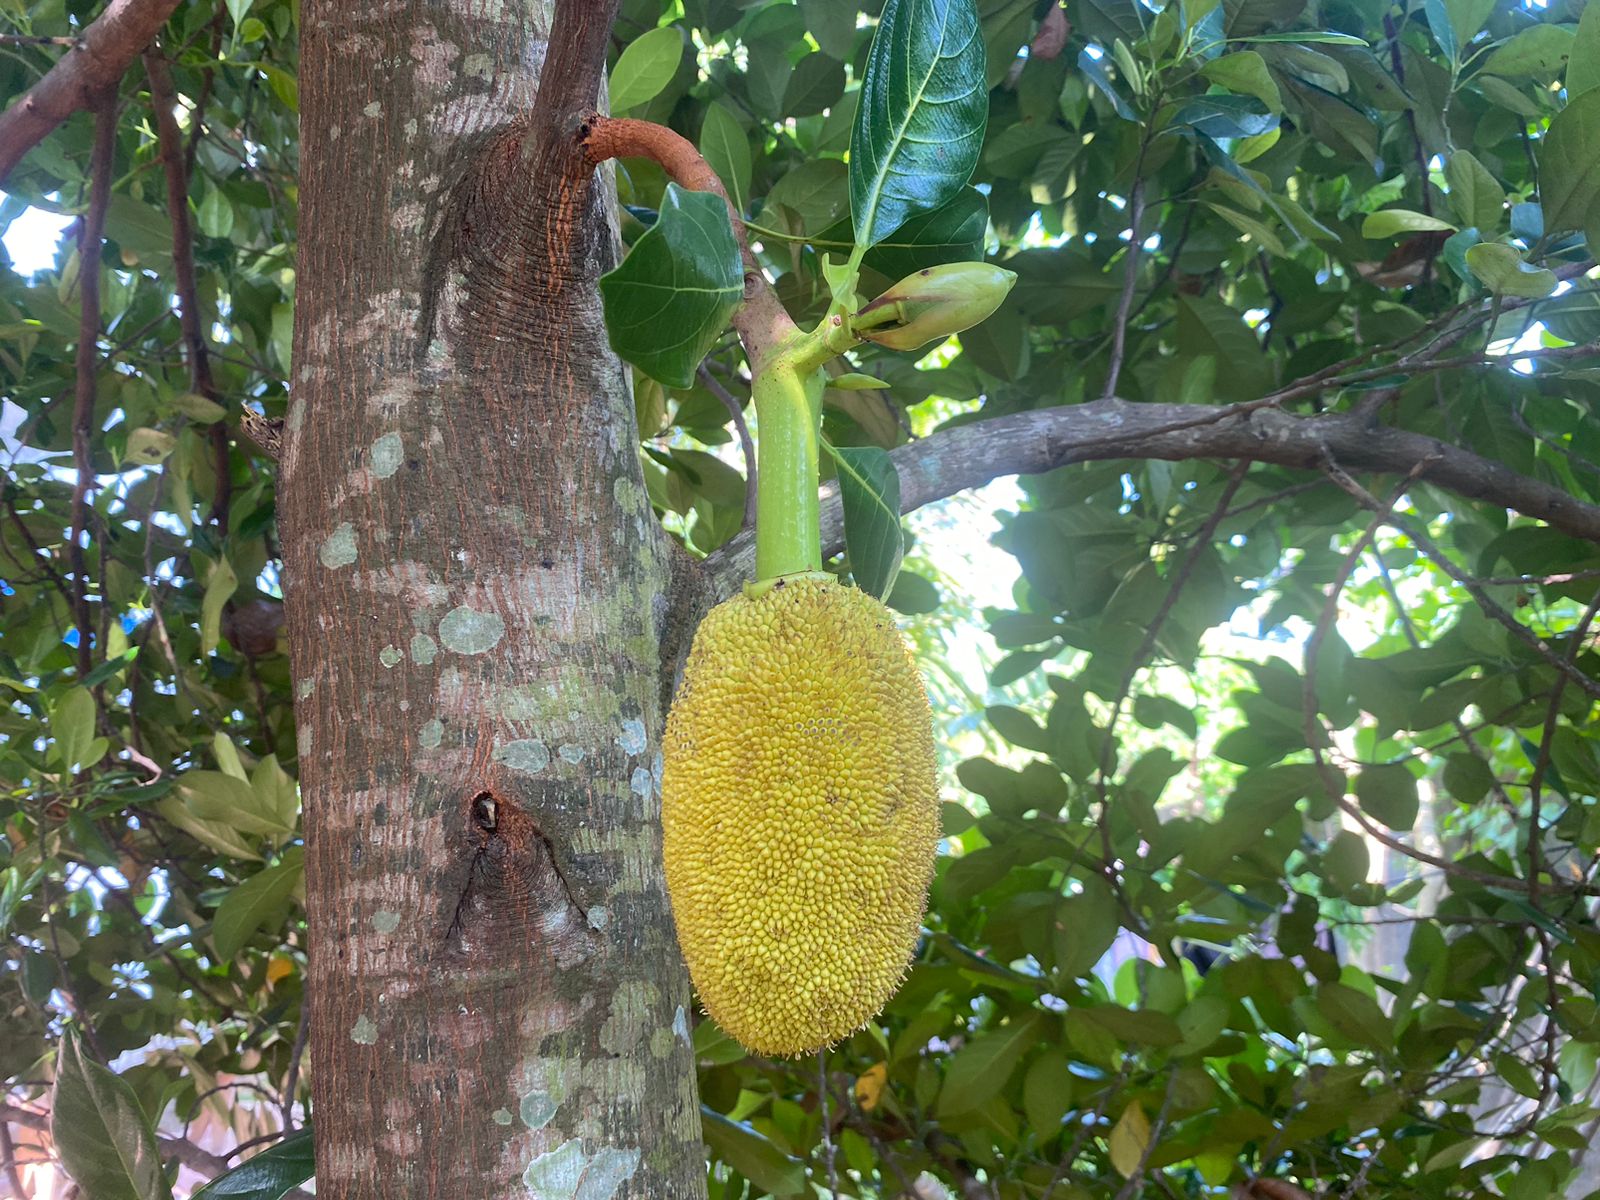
x: 645, y: 67
x: 752, y: 1154
x: 951, y: 233
x: 1467, y: 777
x: 72, y: 726
x: 275, y: 791
x: 1583, y: 68
x: 816, y: 84
x: 221, y: 583
x: 981, y: 1068
x: 1345, y: 861
x: 832, y: 24
x: 216, y: 214
x: 1444, y: 31
x: 668, y: 301
x: 1569, y: 166
x: 854, y: 381
x: 219, y: 835
x: 1539, y: 52
x: 105, y: 1141
x: 814, y: 191
x: 1475, y: 195
x: 215, y: 796
x: 1389, y: 793
x: 254, y: 902
x: 237, y: 10
x: 1392, y: 221
x: 1220, y: 116
x: 1245, y: 72
x: 1094, y: 70
x: 269, y: 1175
x: 1503, y: 272
x: 1318, y: 37
x: 726, y: 148
x: 923, y: 110
x: 1047, y: 1093
x: 1466, y: 17
x: 869, y: 486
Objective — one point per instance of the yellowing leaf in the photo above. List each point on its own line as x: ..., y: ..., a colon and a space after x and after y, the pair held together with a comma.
x: 1129, y: 1139
x: 869, y: 1087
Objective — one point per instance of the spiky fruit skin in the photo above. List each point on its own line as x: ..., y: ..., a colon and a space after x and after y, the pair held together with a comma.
x: 800, y: 812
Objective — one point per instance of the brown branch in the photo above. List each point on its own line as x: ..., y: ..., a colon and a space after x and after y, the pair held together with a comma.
x: 95, y: 63
x: 87, y: 363
x: 761, y: 320
x: 1034, y: 442
x: 569, y: 84
x: 1130, y: 279
x: 174, y: 162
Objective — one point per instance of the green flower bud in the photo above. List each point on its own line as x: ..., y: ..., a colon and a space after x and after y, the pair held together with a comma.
x: 932, y: 304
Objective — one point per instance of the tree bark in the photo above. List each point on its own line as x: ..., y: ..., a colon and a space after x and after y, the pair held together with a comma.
x: 476, y: 597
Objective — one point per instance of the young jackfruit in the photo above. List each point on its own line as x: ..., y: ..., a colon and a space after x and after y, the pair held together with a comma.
x: 800, y: 812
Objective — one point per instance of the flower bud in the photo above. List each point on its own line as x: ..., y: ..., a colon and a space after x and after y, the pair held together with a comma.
x: 932, y: 304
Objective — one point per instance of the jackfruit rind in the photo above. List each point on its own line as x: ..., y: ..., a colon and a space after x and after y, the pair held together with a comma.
x: 800, y: 813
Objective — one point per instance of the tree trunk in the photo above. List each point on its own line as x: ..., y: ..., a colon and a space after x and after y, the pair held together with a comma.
x: 476, y: 594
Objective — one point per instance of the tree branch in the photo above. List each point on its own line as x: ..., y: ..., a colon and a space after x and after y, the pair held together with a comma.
x: 761, y: 321
x: 87, y: 363
x: 1033, y: 442
x: 574, y: 66
x: 96, y: 62
x: 163, y: 98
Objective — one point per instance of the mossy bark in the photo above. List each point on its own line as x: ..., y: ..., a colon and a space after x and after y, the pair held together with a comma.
x: 476, y: 590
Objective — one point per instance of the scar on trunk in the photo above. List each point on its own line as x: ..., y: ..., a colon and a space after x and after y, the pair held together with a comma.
x: 515, y: 892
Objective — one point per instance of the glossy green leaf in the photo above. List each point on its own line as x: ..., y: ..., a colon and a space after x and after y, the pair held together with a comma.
x: 1475, y: 194
x: 1093, y: 68
x: 920, y: 122
x: 1221, y: 116
x: 726, y: 148
x: 646, y: 67
x: 254, y: 902
x: 983, y: 1066
x: 951, y: 233
x: 869, y: 487
x: 1569, y: 166
x: 753, y: 1155
x: 103, y: 1137
x: 1393, y: 221
x: 1309, y: 37
x: 1503, y: 271
x: 672, y: 296
x: 280, y: 1168
x: 1246, y: 72
x: 72, y: 726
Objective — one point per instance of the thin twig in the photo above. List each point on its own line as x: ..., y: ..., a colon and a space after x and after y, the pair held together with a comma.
x: 297, y: 1052
x: 86, y: 364
x: 1130, y: 280
x: 746, y: 444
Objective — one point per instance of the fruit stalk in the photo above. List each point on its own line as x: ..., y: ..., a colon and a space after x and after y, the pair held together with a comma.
x: 788, y: 403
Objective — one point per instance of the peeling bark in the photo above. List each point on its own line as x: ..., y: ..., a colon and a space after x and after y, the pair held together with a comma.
x: 475, y: 596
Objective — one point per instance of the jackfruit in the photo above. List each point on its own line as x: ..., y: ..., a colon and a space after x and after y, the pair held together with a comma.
x: 800, y: 812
